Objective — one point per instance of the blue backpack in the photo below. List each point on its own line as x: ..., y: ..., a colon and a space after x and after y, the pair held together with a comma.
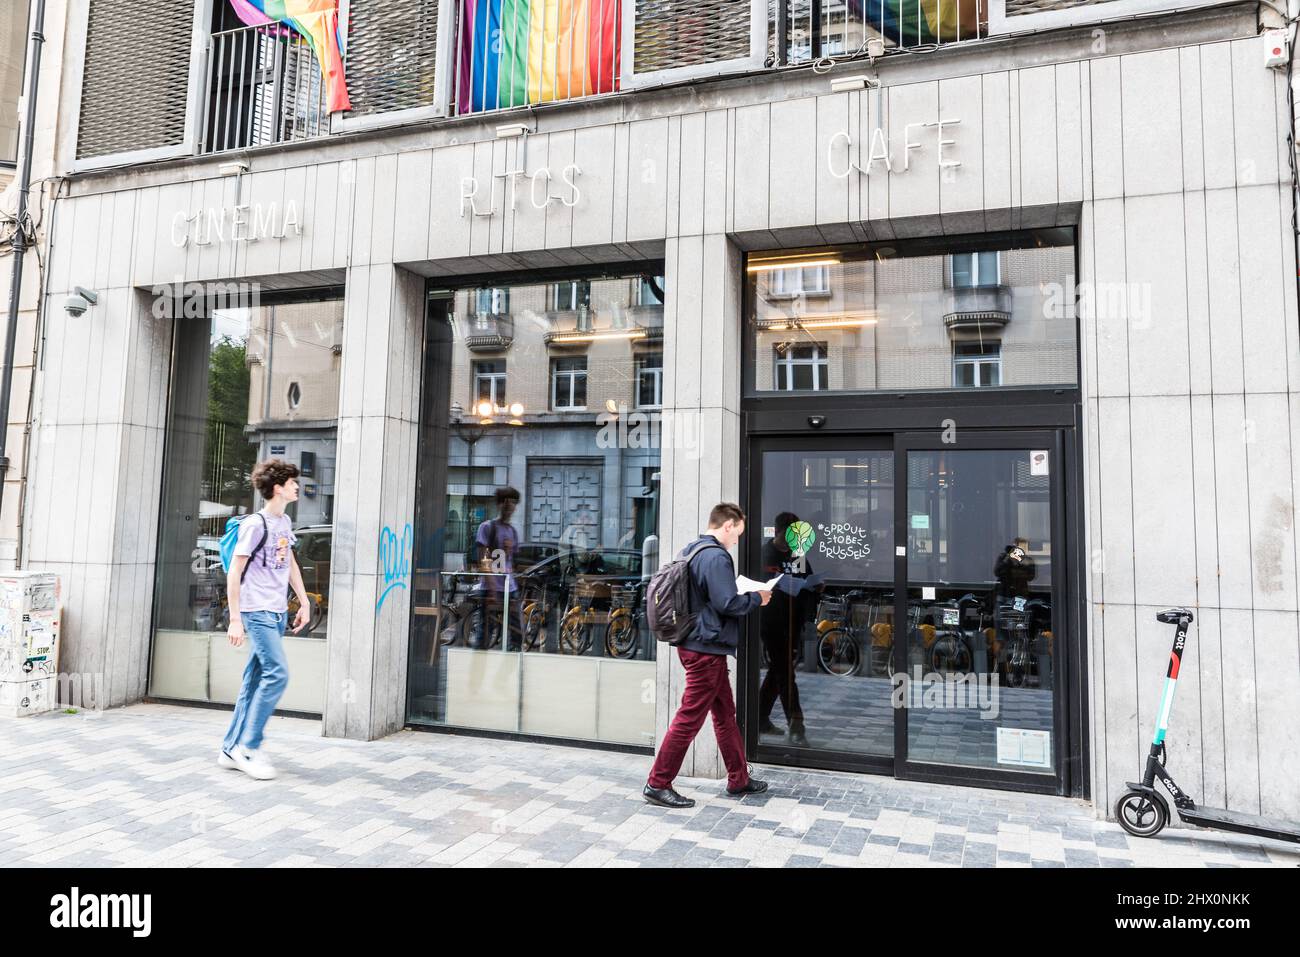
x: 230, y: 537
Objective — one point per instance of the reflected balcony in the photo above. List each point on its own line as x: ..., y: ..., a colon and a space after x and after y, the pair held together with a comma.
x: 982, y: 309
x: 489, y: 332
x: 579, y: 327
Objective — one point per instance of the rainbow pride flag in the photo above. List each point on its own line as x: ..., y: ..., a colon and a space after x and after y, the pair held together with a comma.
x: 514, y: 52
x: 911, y: 22
x: 318, y: 22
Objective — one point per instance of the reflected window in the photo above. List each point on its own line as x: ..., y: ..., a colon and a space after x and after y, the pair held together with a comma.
x: 490, y: 382
x: 649, y: 291
x: 808, y: 281
x: 492, y: 302
x: 899, y: 316
x: 571, y: 296
x: 801, y: 367
x: 569, y: 383
x: 975, y: 270
x: 650, y: 380
x: 976, y: 365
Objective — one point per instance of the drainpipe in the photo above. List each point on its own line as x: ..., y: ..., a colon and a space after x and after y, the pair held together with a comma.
x: 20, y: 240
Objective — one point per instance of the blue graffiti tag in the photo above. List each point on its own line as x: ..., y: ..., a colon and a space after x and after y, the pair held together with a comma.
x: 394, y: 560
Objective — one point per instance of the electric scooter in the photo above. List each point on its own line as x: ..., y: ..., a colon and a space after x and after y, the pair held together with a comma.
x: 1143, y: 812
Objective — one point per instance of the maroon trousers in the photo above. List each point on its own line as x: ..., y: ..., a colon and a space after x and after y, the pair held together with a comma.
x: 708, y: 691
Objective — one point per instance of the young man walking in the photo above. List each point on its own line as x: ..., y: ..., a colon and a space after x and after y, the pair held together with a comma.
x: 257, y: 588
x: 704, y: 656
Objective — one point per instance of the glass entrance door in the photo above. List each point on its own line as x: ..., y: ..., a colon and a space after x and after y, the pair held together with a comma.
x: 917, y: 629
x: 979, y: 564
x: 820, y: 667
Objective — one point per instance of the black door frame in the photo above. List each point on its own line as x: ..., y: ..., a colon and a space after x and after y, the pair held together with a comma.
x: 748, y: 674
x: 966, y: 440
x: 911, y: 421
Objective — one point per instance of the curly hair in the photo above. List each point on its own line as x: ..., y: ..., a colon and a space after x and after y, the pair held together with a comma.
x: 267, y: 475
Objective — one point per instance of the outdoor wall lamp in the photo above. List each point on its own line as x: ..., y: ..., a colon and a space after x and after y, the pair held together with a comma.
x: 80, y: 300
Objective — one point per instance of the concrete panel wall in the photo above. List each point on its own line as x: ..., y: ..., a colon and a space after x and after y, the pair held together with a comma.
x: 1191, y: 440
x: 700, y: 464
x: 375, y: 502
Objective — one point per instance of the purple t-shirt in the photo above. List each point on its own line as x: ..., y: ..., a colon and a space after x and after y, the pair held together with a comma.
x: 266, y: 583
x: 501, y: 540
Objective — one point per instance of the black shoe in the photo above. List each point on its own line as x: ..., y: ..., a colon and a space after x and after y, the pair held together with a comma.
x: 754, y: 786
x: 767, y: 727
x: 797, y: 737
x: 666, y: 797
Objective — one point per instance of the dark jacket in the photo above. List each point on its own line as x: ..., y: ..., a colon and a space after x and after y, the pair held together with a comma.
x: 783, y: 617
x: 719, y: 608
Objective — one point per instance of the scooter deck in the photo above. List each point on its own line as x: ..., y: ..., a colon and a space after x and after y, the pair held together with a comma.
x: 1246, y: 823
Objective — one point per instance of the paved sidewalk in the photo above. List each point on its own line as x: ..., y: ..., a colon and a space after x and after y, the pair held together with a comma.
x: 140, y: 786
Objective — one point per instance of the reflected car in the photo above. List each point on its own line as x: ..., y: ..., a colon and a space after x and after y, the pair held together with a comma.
x: 312, y: 549
x: 617, y: 565
x: 529, y: 554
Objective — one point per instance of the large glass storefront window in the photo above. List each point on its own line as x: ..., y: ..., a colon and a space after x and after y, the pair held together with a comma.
x: 538, y: 507
x: 982, y: 314
x: 247, y: 384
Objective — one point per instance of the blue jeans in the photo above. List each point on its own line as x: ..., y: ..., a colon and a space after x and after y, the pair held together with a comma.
x: 265, y: 678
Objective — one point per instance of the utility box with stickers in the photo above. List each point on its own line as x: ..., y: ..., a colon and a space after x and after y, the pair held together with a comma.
x: 29, y: 643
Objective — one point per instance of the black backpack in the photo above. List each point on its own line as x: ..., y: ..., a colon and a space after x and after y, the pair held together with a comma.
x: 669, y: 609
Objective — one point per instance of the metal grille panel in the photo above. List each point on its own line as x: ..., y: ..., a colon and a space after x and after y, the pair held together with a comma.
x: 1017, y: 7
x: 678, y: 33
x: 392, y: 46
x: 136, y: 76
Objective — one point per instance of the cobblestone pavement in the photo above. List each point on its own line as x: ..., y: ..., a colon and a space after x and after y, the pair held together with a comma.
x: 140, y: 786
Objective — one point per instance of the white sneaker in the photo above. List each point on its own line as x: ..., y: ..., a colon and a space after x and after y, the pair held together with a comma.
x: 252, y: 763
x: 224, y: 760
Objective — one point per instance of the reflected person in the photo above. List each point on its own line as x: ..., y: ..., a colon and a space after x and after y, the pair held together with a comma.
x: 782, y: 621
x: 495, y: 545
x: 1014, y: 570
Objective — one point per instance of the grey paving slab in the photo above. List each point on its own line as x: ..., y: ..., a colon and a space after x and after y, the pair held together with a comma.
x: 140, y: 785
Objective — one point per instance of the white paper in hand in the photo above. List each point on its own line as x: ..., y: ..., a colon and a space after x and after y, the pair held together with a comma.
x: 746, y: 585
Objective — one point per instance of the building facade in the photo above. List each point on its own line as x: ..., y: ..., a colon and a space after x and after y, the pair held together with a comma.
x: 986, y: 313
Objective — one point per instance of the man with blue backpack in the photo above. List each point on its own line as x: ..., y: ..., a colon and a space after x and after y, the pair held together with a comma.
x: 693, y: 603
x: 257, y: 554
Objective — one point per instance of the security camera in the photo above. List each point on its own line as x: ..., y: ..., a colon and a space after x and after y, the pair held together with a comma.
x: 81, y: 300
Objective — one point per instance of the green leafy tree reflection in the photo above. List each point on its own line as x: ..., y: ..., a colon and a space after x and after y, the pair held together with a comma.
x: 230, y: 455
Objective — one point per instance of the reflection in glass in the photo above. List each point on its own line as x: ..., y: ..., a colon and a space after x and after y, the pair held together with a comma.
x: 979, y: 553
x: 536, y: 518
x: 909, y: 316
x: 827, y: 521
x: 248, y: 384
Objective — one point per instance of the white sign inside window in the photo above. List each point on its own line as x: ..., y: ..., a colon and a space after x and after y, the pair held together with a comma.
x: 1025, y: 748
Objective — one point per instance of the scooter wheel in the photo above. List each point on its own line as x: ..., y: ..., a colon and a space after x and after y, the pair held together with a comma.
x: 1140, y: 814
